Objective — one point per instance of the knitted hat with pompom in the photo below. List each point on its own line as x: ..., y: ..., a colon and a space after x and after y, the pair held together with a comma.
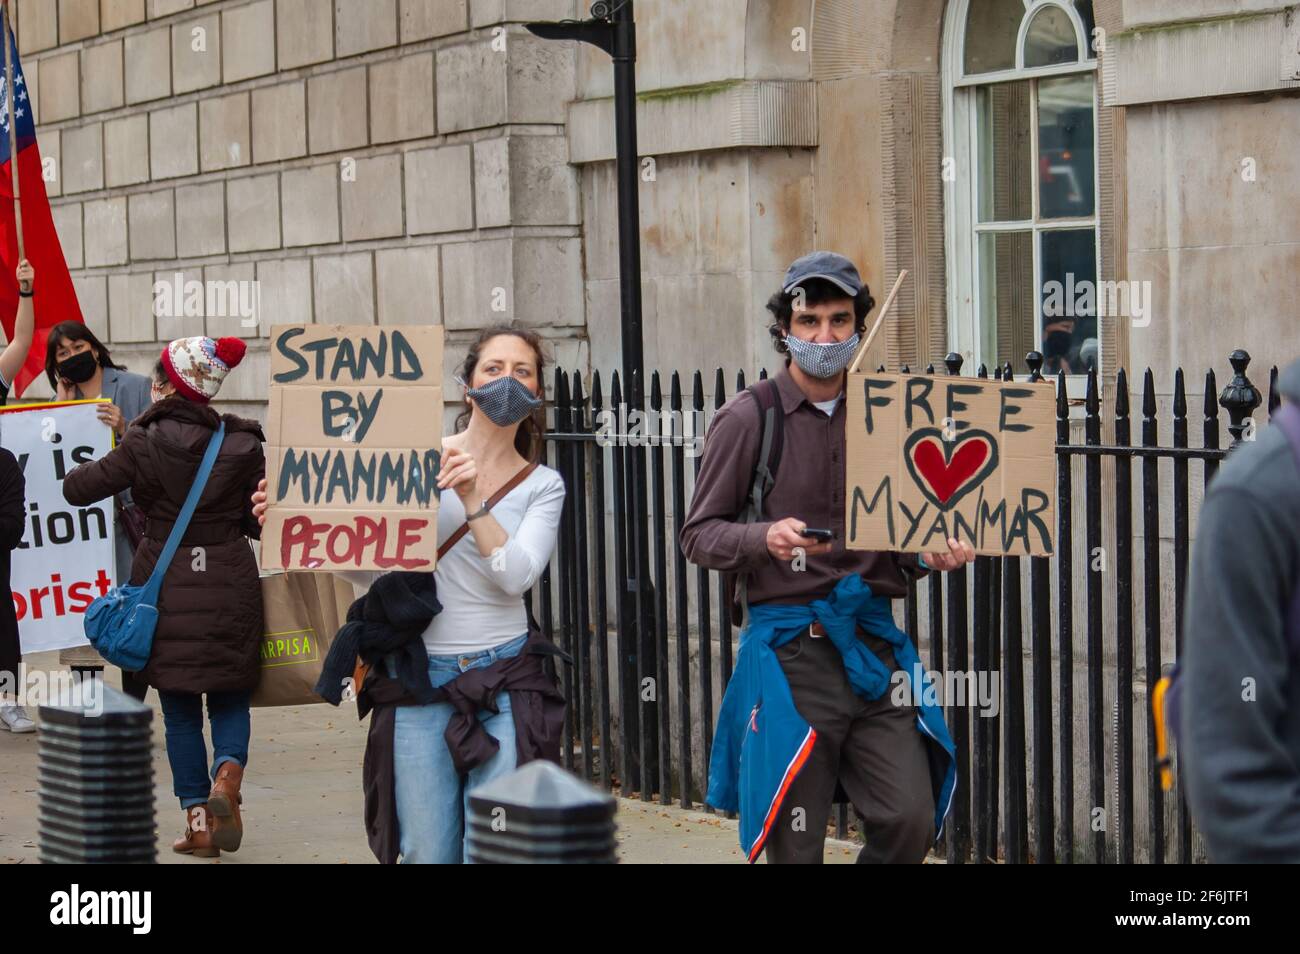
x: 197, y: 366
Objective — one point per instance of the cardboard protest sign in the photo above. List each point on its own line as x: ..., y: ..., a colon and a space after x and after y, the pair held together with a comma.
x: 354, y: 444
x: 934, y: 457
x: 66, y: 557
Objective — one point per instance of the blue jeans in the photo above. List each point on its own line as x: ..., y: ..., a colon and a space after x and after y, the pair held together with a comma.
x: 432, y: 797
x: 183, y: 725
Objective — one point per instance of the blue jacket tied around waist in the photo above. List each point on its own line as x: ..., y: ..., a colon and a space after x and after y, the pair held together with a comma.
x: 762, y: 742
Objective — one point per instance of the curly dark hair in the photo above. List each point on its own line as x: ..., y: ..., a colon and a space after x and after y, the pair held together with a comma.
x: 815, y: 292
x: 531, y: 434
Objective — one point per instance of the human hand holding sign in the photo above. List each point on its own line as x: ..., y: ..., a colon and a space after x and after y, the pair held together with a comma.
x: 259, y: 502
x: 959, y: 554
x: 459, y: 472
x: 111, y: 415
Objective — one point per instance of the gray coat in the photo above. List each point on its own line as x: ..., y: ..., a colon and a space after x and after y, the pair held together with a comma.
x: 131, y: 393
x: 128, y: 390
x: 1241, y: 707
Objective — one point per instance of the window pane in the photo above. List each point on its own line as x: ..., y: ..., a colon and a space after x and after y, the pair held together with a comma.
x: 1066, y: 187
x: 1051, y: 39
x: 1005, y: 152
x: 1084, y: 9
x: 1069, y: 302
x: 1006, y: 283
x: 991, y: 30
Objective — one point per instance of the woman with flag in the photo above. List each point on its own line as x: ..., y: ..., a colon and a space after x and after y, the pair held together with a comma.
x: 15, y: 353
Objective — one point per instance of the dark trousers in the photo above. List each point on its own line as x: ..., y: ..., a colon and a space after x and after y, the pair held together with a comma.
x: 873, y: 749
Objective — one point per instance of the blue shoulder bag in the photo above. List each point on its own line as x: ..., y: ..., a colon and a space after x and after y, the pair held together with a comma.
x: 121, y: 623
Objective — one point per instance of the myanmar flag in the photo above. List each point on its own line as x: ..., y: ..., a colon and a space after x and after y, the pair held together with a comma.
x: 56, y: 298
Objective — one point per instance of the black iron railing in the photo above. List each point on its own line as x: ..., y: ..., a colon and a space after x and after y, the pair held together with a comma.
x: 653, y: 653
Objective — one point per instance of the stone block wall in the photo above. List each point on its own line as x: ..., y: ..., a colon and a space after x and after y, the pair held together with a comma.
x: 390, y: 161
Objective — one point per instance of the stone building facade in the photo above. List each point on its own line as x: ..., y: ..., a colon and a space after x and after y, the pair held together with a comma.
x: 400, y: 162
x: 431, y: 161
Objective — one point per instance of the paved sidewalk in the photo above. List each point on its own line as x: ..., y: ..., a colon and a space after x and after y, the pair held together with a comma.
x: 303, y: 804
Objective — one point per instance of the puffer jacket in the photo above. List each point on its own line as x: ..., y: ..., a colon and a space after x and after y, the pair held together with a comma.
x: 210, y: 608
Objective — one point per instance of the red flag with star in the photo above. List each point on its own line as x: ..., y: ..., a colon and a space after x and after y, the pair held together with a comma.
x: 56, y: 298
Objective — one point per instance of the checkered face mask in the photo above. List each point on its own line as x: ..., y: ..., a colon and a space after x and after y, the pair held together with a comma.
x: 504, y: 400
x: 821, y: 360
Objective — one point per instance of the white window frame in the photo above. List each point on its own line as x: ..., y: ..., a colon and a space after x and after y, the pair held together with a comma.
x: 962, y: 228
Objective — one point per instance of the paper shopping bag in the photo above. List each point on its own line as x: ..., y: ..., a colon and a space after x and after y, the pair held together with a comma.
x: 301, y: 613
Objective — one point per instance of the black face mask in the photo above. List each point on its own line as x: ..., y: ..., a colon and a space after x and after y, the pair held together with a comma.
x: 78, y: 369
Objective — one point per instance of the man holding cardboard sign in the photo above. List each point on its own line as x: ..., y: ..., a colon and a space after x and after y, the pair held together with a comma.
x: 808, y: 704
x: 934, y: 458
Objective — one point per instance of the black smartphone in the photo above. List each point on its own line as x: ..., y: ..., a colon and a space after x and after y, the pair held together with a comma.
x: 818, y: 534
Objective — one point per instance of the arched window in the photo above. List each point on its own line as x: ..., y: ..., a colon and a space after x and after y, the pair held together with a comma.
x: 1022, y: 228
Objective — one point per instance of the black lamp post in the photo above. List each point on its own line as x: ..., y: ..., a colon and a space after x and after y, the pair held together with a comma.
x: 612, y: 29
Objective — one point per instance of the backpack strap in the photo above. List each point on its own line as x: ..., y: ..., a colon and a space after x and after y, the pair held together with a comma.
x: 1287, y: 419
x: 771, y: 419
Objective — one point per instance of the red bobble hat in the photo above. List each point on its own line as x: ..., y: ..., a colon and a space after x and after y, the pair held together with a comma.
x: 197, y: 366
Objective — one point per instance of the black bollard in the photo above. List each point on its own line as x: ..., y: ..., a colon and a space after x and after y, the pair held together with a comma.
x: 540, y: 814
x: 95, y: 779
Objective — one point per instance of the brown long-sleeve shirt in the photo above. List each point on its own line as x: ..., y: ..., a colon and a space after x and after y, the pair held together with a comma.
x: 809, y: 485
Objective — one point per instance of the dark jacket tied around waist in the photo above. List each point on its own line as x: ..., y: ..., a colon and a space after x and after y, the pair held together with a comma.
x: 387, y: 625
x: 387, y: 620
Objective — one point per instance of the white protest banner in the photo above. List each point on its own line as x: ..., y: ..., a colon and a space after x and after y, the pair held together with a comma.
x: 65, y: 559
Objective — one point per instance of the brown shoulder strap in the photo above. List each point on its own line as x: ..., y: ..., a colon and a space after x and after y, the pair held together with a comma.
x: 508, y: 486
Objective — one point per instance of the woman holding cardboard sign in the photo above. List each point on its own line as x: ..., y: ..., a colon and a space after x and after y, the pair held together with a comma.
x: 466, y: 697
x: 210, y: 608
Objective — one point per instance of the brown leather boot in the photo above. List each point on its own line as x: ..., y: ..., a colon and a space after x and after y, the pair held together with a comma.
x: 197, y: 839
x: 223, y: 807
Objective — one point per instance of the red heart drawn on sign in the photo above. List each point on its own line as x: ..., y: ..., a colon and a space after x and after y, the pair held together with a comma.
x: 946, y: 470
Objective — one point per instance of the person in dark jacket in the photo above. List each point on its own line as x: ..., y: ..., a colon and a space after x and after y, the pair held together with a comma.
x: 210, y: 608
x: 13, y: 503
x: 13, y: 513
x: 1240, y: 737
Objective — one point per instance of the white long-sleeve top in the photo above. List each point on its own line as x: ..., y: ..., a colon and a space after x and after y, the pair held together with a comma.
x: 482, y: 597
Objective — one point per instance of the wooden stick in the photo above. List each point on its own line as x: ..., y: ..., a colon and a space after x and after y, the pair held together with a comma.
x: 6, y: 31
x: 880, y: 319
